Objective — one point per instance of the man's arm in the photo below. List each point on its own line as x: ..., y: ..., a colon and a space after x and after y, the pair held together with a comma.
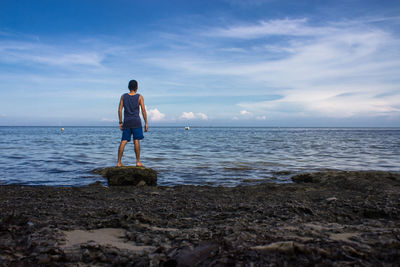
x: 144, y: 113
x: 120, y: 107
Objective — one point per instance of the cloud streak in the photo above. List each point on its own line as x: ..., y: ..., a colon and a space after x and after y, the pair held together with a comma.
x: 356, y: 60
x: 291, y: 27
x: 32, y: 53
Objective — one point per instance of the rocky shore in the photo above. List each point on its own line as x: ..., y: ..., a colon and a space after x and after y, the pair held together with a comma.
x: 323, y: 219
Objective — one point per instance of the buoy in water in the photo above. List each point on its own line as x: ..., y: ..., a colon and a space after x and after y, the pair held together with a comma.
x: 62, y: 129
x: 187, y: 128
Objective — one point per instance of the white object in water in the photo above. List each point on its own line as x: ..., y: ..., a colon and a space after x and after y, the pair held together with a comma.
x: 62, y: 129
x: 187, y: 128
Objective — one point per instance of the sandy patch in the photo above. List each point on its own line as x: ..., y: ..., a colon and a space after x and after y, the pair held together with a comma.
x: 346, y: 237
x: 114, y: 237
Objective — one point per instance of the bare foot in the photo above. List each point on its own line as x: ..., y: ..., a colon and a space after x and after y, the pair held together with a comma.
x: 120, y: 165
x: 139, y: 164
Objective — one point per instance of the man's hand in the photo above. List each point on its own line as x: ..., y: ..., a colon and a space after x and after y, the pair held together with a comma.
x: 146, y: 127
x: 121, y: 126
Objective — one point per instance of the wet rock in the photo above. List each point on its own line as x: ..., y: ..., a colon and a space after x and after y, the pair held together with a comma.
x: 128, y: 175
x: 97, y: 183
x: 306, y: 178
x: 190, y: 256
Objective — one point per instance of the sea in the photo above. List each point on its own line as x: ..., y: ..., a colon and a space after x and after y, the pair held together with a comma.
x: 215, y: 156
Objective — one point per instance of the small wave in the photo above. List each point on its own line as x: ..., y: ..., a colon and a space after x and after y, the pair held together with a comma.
x: 81, y: 162
x: 156, y: 159
x: 269, y: 163
x: 55, y: 170
x: 16, y: 157
x: 40, y: 142
x: 239, y: 168
x: 66, y: 162
x: 202, y: 167
x: 285, y: 172
x: 247, y: 180
x: 90, y: 176
x: 80, y: 144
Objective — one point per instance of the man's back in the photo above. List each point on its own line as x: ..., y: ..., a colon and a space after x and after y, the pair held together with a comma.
x: 131, y: 111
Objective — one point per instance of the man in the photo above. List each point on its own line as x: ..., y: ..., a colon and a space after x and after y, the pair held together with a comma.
x: 132, y: 124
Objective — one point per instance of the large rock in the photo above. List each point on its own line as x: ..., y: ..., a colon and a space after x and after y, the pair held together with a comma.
x: 128, y: 175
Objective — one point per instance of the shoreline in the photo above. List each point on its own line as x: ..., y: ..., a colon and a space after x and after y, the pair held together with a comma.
x: 323, y: 218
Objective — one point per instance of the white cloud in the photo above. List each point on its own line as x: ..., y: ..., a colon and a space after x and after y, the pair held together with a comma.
x: 202, y: 116
x: 248, y: 115
x: 187, y: 115
x: 191, y: 116
x: 155, y: 115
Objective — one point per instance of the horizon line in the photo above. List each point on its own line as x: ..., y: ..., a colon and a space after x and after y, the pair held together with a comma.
x: 198, y: 126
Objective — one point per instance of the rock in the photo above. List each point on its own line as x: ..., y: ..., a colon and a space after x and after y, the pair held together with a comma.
x: 128, y: 175
x: 330, y: 199
x: 141, y: 183
x: 282, y: 246
x: 285, y: 246
x: 306, y: 178
x: 43, y: 259
x: 97, y: 183
x: 189, y: 256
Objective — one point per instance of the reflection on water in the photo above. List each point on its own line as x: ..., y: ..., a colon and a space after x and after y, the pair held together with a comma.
x: 216, y: 156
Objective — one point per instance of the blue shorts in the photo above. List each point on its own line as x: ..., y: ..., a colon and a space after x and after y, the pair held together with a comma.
x: 128, y: 132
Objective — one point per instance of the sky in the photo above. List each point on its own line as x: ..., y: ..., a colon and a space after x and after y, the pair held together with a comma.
x: 272, y: 63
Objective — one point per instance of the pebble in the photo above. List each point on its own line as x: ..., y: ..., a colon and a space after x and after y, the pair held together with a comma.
x: 331, y: 199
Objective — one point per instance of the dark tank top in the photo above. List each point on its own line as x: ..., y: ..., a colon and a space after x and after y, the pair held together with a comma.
x: 131, y: 111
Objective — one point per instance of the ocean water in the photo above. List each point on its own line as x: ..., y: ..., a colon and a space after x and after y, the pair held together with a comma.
x: 200, y: 156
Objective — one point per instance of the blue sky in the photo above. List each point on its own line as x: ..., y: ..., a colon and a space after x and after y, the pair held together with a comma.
x: 206, y: 63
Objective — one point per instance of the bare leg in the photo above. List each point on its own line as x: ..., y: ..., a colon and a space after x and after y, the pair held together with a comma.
x: 121, y: 152
x: 137, y: 152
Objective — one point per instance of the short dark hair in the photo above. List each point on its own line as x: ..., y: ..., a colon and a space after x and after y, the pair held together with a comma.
x: 132, y: 85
